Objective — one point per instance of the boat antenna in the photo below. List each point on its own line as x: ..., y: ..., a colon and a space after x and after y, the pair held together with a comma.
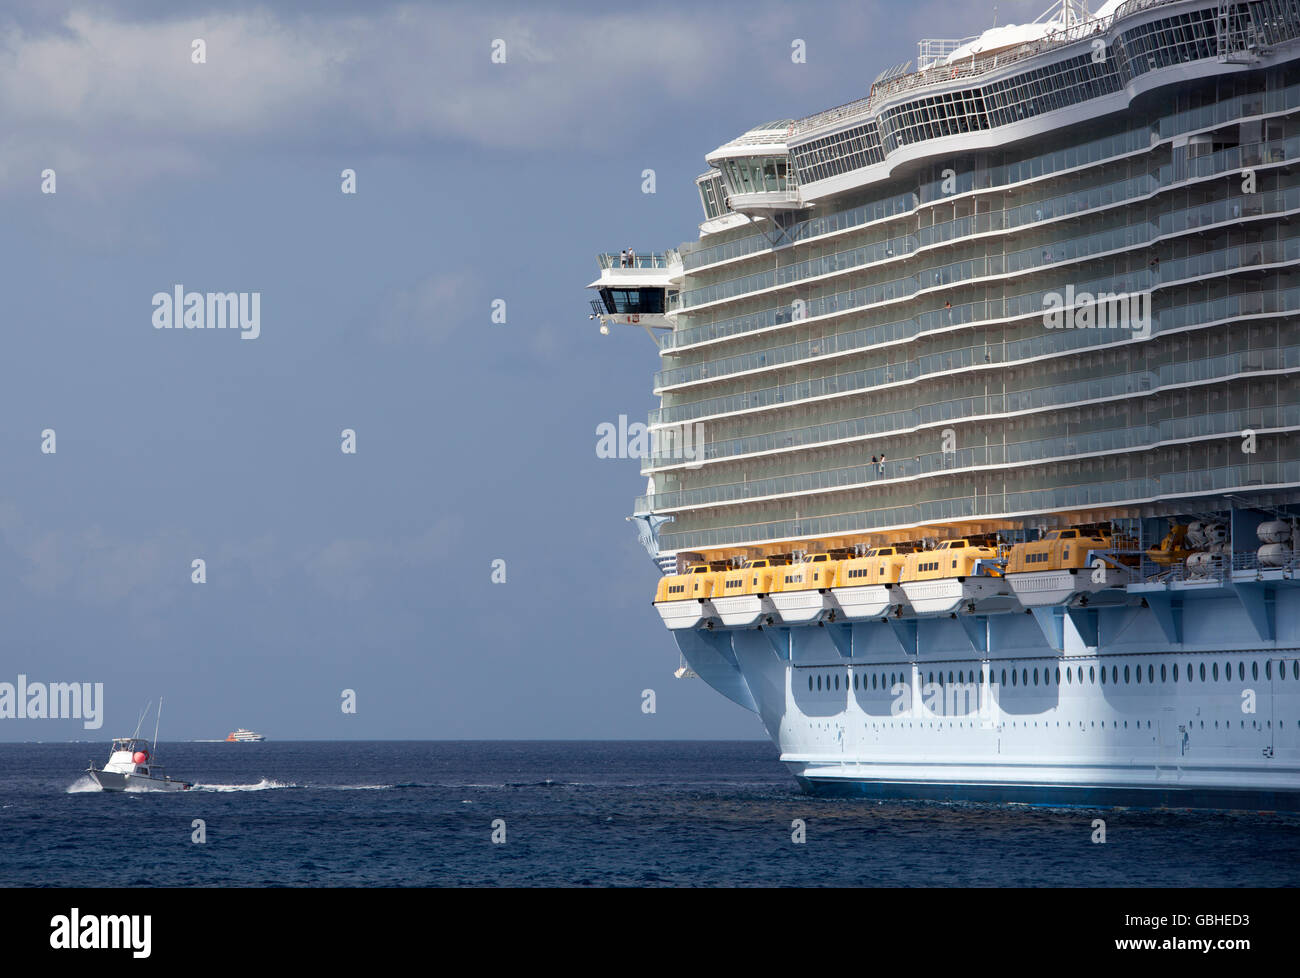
x: 156, y: 720
x: 143, y: 714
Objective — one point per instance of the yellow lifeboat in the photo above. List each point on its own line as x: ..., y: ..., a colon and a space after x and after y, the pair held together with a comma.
x: 740, y: 597
x: 802, y: 590
x: 1064, y: 563
x: 867, y: 586
x: 955, y: 574
x: 682, y: 600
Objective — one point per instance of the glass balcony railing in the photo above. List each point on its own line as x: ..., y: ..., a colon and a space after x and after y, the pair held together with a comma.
x: 1196, y: 218
x: 896, y: 423
x: 1043, y: 450
x: 1210, y: 263
x: 1173, y: 485
x: 636, y: 260
x: 1200, y: 313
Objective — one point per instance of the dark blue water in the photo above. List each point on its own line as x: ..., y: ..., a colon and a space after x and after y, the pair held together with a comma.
x: 576, y: 814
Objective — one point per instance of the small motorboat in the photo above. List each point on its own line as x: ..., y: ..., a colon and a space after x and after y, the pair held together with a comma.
x: 131, y: 765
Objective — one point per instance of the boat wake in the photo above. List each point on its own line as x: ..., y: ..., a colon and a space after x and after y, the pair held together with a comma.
x: 264, y: 785
x: 82, y: 785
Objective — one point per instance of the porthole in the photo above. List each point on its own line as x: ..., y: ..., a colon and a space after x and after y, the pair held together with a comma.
x: 1241, y: 671
x: 1254, y: 670
x: 1126, y: 679
x: 1202, y: 672
x: 873, y: 680
x: 819, y: 683
x: 1058, y: 675
x: 1035, y: 677
x: 1268, y: 668
x: 1068, y: 678
x: 810, y: 684
x: 1164, y: 675
x: 1013, y: 677
x: 1103, y: 675
x: 1189, y: 672
x: 855, y: 682
x: 1295, y: 668
x: 1214, y: 670
x: 1092, y: 675
x: 1175, y: 672
x: 1151, y: 673
x: 1114, y: 674
x: 1024, y: 677
x: 1004, y: 677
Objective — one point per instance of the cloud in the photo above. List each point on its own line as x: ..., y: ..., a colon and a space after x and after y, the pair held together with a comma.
x: 119, y: 102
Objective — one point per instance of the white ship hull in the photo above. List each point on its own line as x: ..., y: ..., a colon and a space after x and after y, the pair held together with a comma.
x: 1038, y: 588
x: 113, y: 781
x: 854, y: 710
x: 951, y: 594
x: 870, y: 601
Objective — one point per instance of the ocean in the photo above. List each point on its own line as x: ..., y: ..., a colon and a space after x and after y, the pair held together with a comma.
x: 390, y: 813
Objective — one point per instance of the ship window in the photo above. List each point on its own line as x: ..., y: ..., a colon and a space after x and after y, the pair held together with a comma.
x: 1004, y: 677
x: 1068, y: 678
x: 873, y: 680
x: 1024, y: 677
x: 819, y: 683
x: 1295, y: 668
x: 1091, y: 677
x: 837, y: 682
x: 1013, y: 677
x: 1058, y: 675
x: 1254, y: 670
x: 1114, y: 674
x: 810, y: 684
x: 855, y: 681
x: 1126, y: 678
x: 1035, y: 677
x: 1202, y: 672
x: 1268, y: 669
x: 1215, y: 671
x: 1164, y: 675
x: 1241, y: 671
x: 1103, y: 675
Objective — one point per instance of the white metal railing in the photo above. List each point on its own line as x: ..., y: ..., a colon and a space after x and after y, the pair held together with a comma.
x: 975, y: 67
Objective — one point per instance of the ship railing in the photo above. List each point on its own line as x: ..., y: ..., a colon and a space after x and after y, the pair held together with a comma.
x: 1249, y: 561
x: 660, y: 260
x: 972, y: 67
x: 1216, y: 569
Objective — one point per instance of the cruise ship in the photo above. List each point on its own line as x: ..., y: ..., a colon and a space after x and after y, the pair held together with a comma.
x: 976, y: 470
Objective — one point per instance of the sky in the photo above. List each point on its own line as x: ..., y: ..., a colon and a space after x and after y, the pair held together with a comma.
x: 475, y: 440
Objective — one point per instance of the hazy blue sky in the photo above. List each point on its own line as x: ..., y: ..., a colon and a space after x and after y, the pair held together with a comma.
x: 476, y: 441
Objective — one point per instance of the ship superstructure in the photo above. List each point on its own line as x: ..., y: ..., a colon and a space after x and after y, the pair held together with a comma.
x: 1006, y: 353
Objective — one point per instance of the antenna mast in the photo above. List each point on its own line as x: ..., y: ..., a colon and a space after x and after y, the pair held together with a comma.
x: 143, y: 713
x: 156, y: 720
